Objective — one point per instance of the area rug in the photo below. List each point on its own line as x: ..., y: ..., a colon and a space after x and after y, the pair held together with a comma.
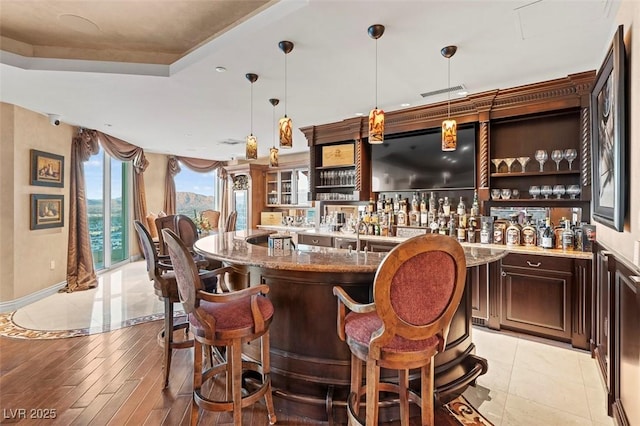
x: 10, y: 329
x: 463, y: 413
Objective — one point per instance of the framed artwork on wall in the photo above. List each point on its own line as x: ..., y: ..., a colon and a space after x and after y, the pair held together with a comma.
x: 609, y: 137
x: 47, y: 169
x: 47, y: 211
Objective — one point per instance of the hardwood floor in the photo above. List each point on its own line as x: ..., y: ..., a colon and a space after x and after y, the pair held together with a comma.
x: 111, y: 378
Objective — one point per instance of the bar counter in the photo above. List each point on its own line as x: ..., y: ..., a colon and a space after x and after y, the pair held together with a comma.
x: 310, y: 366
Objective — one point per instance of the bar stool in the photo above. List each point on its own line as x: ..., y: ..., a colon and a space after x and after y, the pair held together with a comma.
x: 416, y: 292
x: 229, y: 320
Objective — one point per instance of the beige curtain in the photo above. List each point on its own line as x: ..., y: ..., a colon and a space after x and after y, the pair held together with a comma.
x: 173, y: 168
x: 224, y: 197
x: 124, y: 151
x: 81, y: 274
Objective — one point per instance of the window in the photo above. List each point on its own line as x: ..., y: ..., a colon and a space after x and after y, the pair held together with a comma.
x: 196, y: 191
x: 108, y: 179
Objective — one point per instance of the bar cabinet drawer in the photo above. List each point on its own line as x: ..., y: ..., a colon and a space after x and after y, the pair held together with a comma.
x: 315, y: 240
x: 550, y: 263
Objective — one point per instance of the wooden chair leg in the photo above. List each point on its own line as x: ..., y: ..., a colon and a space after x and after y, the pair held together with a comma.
x: 403, y: 384
x: 426, y: 394
x: 356, y: 380
x: 236, y: 388
x: 197, y: 380
x: 373, y: 379
x: 168, y: 339
x: 266, y: 369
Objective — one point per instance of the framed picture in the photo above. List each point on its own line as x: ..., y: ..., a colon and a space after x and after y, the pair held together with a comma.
x: 47, y: 169
x: 47, y: 211
x: 609, y: 138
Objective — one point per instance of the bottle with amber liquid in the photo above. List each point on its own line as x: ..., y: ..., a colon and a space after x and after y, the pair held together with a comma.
x: 557, y: 233
x: 513, y: 233
x: 475, y: 206
x: 567, y: 236
x: 547, y: 235
x: 529, y: 233
x: 424, y: 211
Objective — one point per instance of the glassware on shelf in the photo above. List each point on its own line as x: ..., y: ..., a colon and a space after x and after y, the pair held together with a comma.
x: 515, y: 193
x: 557, y: 155
x: 570, y: 155
x: 541, y: 156
x: 496, y: 162
x: 509, y: 162
x: 505, y: 194
x: 546, y: 190
x: 495, y: 194
x: 559, y: 191
x: 523, y: 162
x: 573, y: 191
x: 534, y: 191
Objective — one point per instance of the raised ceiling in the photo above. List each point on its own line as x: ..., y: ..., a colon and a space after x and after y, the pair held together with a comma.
x: 144, y: 71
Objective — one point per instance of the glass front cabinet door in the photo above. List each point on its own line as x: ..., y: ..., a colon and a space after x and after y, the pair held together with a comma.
x: 287, y: 187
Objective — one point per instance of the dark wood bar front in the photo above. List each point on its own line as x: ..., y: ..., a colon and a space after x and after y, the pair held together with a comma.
x: 310, y: 366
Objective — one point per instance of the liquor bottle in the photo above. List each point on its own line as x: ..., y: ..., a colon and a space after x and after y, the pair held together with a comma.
x: 382, y: 200
x: 433, y: 203
x: 446, y: 207
x: 529, y: 233
x: 462, y: 209
x: 475, y: 207
x: 462, y: 230
x: 414, y: 213
x: 557, y: 233
x: 547, y: 235
x: 485, y: 233
x: 452, y: 227
x: 424, y: 212
x: 401, y: 216
x: 471, y: 231
x: 371, y: 207
x: 567, y: 236
x: 513, y: 231
x: 498, y: 233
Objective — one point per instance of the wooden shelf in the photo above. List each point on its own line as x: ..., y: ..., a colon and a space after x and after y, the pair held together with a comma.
x: 348, y: 166
x: 334, y: 186
x: 545, y: 173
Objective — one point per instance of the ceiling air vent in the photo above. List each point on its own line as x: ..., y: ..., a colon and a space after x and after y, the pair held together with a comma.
x: 231, y: 142
x: 457, y: 88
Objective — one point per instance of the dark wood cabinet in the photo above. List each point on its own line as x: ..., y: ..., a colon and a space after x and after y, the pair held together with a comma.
x: 616, y: 341
x: 479, y: 280
x: 315, y: 240
x: 547, y: 296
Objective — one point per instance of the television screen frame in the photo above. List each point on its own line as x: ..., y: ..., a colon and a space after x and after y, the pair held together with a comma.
x: 414, y: 161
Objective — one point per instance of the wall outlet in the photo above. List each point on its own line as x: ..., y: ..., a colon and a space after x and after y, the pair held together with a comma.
x: 52, y: 265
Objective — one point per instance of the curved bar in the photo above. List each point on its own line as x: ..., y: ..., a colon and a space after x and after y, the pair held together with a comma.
x: 310, y: 366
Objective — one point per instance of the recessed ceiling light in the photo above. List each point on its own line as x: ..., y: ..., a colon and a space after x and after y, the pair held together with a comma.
x: 221, y: 69
x: 359, y: 114
x: 405, y: 105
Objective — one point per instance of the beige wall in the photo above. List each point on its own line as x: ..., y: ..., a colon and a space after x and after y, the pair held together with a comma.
x: 26, y: 254
x: 627, y: 243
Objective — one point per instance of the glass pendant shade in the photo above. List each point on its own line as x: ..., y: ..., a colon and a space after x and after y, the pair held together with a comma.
x: 376, y: 126
x: 273, y: 156
x: 449, y: 135
x: 286, y: 132
x: 252, y: 147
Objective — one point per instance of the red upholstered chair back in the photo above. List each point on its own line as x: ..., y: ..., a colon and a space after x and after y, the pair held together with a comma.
x: 185, y: 270
x: 418, y: 288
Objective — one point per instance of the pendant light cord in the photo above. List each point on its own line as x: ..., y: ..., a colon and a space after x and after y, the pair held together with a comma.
x: 376, y: 91
x: 285, y: 84
x: 251, y: 109
x: 449, y: 87
x: 273, y: 122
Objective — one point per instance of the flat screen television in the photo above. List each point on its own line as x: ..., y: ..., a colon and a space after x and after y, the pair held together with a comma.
x: 415, y: 161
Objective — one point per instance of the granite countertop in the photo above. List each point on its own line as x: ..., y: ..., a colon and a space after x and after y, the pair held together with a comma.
x: 286, y: 228
x: 233, y: 247
x: 516, y: 250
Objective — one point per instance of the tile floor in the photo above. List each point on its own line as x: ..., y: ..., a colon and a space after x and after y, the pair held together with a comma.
x: 531, y: 381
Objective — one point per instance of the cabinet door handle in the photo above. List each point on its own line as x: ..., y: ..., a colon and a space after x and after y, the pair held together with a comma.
x: 315, y: 241
x: 504, y: 274
x: 533, y: 265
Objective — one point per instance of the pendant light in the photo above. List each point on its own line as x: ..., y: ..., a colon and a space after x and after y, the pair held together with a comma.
x: 376, y: 116
x: 285, y: 125
x: 273, y: 152
x: 449, y: 126
x: 252, y: 141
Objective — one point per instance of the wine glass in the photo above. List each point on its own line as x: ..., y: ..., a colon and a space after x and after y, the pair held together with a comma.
x: 546, y: 190
x: 559, y: 191
x: 570, y: 155
x: 534, y: 190
x: 573, y: 191
x: 495, y: 194
x: 496, y: 162
x: 505, y: 193
x: 541, y: 157
x: 509, y: 162
x: 557, y: 155
x: 523, y: 162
